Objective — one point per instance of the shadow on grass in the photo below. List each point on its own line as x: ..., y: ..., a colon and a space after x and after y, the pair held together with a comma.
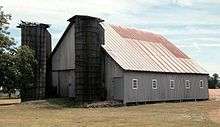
x: 64, y: 103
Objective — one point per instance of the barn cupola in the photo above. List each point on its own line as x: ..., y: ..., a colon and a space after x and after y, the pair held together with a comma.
x: 89, y: 36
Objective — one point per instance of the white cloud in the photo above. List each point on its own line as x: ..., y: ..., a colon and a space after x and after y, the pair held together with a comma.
x: 211, y: 67
x: 183, y: 3
x: 53, y: 10
x: 197, y: 45
x: 145, y: 14
x: 188, y: 3
x: 56, y: 12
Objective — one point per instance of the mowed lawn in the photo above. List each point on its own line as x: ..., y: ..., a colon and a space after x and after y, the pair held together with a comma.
x: 49, y: 114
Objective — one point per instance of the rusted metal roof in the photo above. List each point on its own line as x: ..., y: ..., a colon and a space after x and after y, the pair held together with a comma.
x: 138, y: 50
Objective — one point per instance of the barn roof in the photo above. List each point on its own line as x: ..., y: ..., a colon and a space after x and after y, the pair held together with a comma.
x: 138, y: 50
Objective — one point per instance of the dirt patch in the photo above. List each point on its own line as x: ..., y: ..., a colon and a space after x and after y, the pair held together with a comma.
x: 214, y: 94
x: 9, y: 101
x: 54, y: 114
x: 214, y: 115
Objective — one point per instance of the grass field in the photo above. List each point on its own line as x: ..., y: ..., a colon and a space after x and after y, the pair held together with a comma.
x: 55, y: 113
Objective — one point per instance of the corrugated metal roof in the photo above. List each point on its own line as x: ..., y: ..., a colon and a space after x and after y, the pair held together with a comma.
x: 144, y: 51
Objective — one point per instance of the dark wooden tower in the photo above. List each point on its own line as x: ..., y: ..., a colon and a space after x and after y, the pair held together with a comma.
x: 36, y: 36
x: 89, y: 36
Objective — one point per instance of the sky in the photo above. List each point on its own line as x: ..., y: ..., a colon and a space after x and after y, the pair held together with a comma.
x: 192, y: 25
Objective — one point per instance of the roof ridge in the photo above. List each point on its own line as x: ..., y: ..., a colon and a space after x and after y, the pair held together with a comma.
x: 141, y: 30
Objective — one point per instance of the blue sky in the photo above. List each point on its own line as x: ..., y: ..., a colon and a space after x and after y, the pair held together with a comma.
x: 192, y: 25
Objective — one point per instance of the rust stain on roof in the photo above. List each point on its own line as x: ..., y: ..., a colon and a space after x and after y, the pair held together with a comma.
x: 148, y: 37
x: 138, y: 50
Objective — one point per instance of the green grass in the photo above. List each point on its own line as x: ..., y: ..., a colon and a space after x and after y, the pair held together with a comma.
x: 62, y: 113
x: 63, y: 103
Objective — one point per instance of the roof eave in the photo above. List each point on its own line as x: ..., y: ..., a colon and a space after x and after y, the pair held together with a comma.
x: 144, y: 71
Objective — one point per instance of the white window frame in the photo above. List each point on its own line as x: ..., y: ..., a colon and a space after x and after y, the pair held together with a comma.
x: 154, y: 80
x: 189, y: 84
x: 201, y: 81
x: 172, y: 87
x: 134, y: 84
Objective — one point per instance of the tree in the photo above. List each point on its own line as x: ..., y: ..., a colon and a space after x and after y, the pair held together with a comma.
x: 7, y: 70
x: 7, y: 73
x: 213, y: 81
x: 25, y: 63
x: 16, y: 63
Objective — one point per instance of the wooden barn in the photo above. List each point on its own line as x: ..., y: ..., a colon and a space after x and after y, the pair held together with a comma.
x: 94, y: 60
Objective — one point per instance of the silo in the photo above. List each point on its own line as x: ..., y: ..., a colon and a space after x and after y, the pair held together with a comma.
x: 89, y: 36
x: 37, y: 37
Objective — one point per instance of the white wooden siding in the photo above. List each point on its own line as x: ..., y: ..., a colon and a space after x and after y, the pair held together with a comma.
x: 64, y: 57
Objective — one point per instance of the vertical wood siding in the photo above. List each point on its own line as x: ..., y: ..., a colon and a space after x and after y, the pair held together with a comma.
x: 61, y: 80
x: 113, y: 71
x: 64, y: 57
x: 163, y: 92
x: 63, y: 64
x: 118, y: 91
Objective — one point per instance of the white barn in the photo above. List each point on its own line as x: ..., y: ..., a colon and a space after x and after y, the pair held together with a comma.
x: 94, y: 59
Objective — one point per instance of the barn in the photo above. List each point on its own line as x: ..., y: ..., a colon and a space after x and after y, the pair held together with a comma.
x: 94, y: 60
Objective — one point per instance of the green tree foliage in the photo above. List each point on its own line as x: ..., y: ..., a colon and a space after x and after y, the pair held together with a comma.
x: 25, y: 63
x: 7, y: 70
x: 213, y: 81
x: 6, y: 42
x: 16, y: 63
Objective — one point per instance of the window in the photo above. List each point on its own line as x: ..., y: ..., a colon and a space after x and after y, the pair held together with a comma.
x: 201, y: 84
x: 154, y: 84
x: 134, y: 83
x: 172, y: 84
x: 187, y: 84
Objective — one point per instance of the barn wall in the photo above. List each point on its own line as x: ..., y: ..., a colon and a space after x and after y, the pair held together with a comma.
x: 113, y: 80
x: 64, y: 81
x: 117, y: 85
x: 64, y: 57
x: 63, y: 65
x: 163, y: 92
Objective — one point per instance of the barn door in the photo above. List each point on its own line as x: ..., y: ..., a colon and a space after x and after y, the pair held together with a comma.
x: 58, y: 85
x: 71, y: 85
x: 117, y: 88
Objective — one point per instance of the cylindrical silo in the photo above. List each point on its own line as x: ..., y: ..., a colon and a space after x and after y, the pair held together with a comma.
x: 89, y: 36
x: 37, y: 37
